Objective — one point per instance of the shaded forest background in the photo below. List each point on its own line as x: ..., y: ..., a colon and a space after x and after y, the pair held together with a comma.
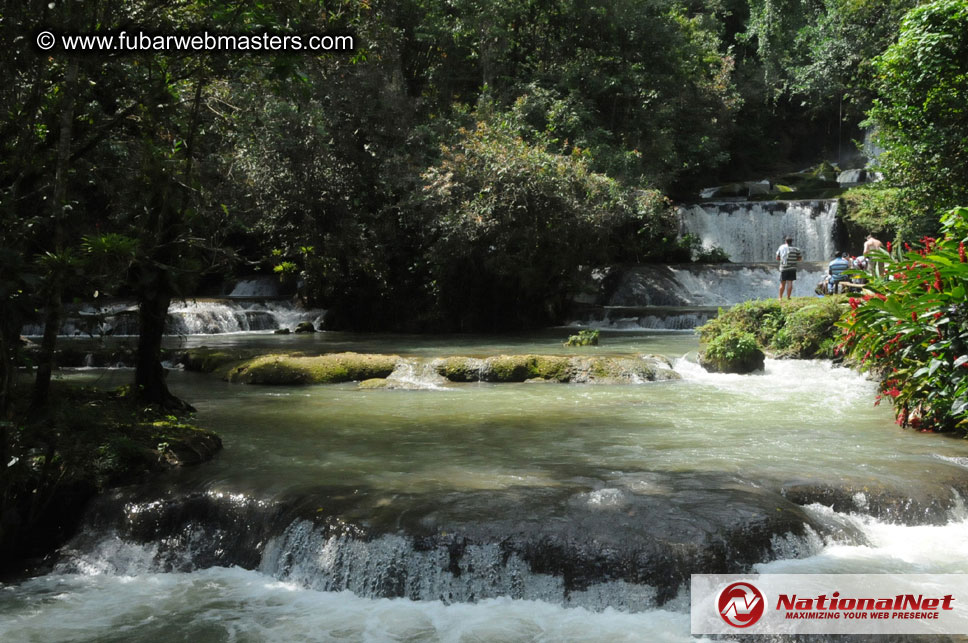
x: 457, y: 171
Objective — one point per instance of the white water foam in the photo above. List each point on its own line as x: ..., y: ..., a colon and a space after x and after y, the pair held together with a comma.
x: 265, y: 287
x: 884, y: 547
x: 311, y: 559
x: 413, y: 374
x: 799, y: 380
x: 231, y: 604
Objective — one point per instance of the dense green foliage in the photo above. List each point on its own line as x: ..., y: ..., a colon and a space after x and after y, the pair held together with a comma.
x: 921, y: 112
x: 913, y: 331
x: 515, y: 223
x: 874, y: 209
x: 804, y: 327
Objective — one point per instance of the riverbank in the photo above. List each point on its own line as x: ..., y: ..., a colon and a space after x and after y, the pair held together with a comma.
x: 87, y: 441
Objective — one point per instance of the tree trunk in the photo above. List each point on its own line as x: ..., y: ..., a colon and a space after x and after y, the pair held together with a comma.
x: 155, y: 295
x: 149, y: 376
x: 55, y: 288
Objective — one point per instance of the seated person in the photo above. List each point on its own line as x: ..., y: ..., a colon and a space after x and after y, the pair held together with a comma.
x: 836, y: 270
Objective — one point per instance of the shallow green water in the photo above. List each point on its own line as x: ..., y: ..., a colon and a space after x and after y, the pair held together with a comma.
x: 798, y: 420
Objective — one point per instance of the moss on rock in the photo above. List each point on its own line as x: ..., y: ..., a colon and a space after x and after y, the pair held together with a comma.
x: 211, y: 360
x: 461, y: 369
x: 559, y: 368
x: 371, y: 370
x: 321, y: 369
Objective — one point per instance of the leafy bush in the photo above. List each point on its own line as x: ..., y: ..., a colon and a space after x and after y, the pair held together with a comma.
x: 913, y: 332
x: 732, y: 345
x: 804, y: 327
x: 583, y: 338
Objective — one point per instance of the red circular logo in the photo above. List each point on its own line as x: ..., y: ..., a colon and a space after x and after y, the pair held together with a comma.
x: 741, y: 604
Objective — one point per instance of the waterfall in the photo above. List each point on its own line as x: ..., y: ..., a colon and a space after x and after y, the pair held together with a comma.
x: 265, y: 287
x: 706, y: 284
x: 752, y: 231
x: 188, y: 317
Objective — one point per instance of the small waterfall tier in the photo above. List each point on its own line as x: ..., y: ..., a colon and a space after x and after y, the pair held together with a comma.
x: 262, y: 287
x: 188, y: 317
x: 684, y: 296
x: 751, y: 231
x: 707, y: 284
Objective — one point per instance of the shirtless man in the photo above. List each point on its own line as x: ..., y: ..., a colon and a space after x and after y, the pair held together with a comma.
x: 870, y: 245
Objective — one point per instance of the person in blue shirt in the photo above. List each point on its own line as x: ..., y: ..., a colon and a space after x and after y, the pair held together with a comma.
x: 835, y: 270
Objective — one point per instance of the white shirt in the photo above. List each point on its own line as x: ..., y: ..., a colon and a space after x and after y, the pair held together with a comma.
x: 783, y: 253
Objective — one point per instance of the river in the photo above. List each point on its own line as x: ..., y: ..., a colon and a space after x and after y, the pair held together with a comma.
x: 497, y: 512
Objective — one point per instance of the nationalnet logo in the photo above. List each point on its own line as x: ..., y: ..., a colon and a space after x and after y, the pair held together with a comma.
x: 830, y: 604
x: 741, y: 604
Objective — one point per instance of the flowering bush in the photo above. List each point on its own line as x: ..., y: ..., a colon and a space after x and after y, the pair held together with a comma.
x: 913, y: 330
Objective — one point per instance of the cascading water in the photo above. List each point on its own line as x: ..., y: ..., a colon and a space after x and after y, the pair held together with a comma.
x: 684, y: 296
x: 263, y: 287
x: 752, y: 231
x: 190, y: 317
x: 675, y: 297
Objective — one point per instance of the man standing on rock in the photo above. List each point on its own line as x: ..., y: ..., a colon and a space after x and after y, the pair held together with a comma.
x: 788, y: 255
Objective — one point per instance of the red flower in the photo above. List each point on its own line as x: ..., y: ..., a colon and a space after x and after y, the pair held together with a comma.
x: 853, y: 303
x: 937, y: 280
x: 907, y: 246
x: 961, y: 251
x: 914, y: 316
x: 888, y: 246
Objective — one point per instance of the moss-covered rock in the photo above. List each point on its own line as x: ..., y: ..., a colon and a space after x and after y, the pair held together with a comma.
x: 305, y: 327
x: 519, y: 368
x: 511, y: 368
x: 556, y: 368
x: 212, y: 360
x: 371, y: 370
x: 619, y: 369
x: 461, y: 369
x: 321, y: 369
